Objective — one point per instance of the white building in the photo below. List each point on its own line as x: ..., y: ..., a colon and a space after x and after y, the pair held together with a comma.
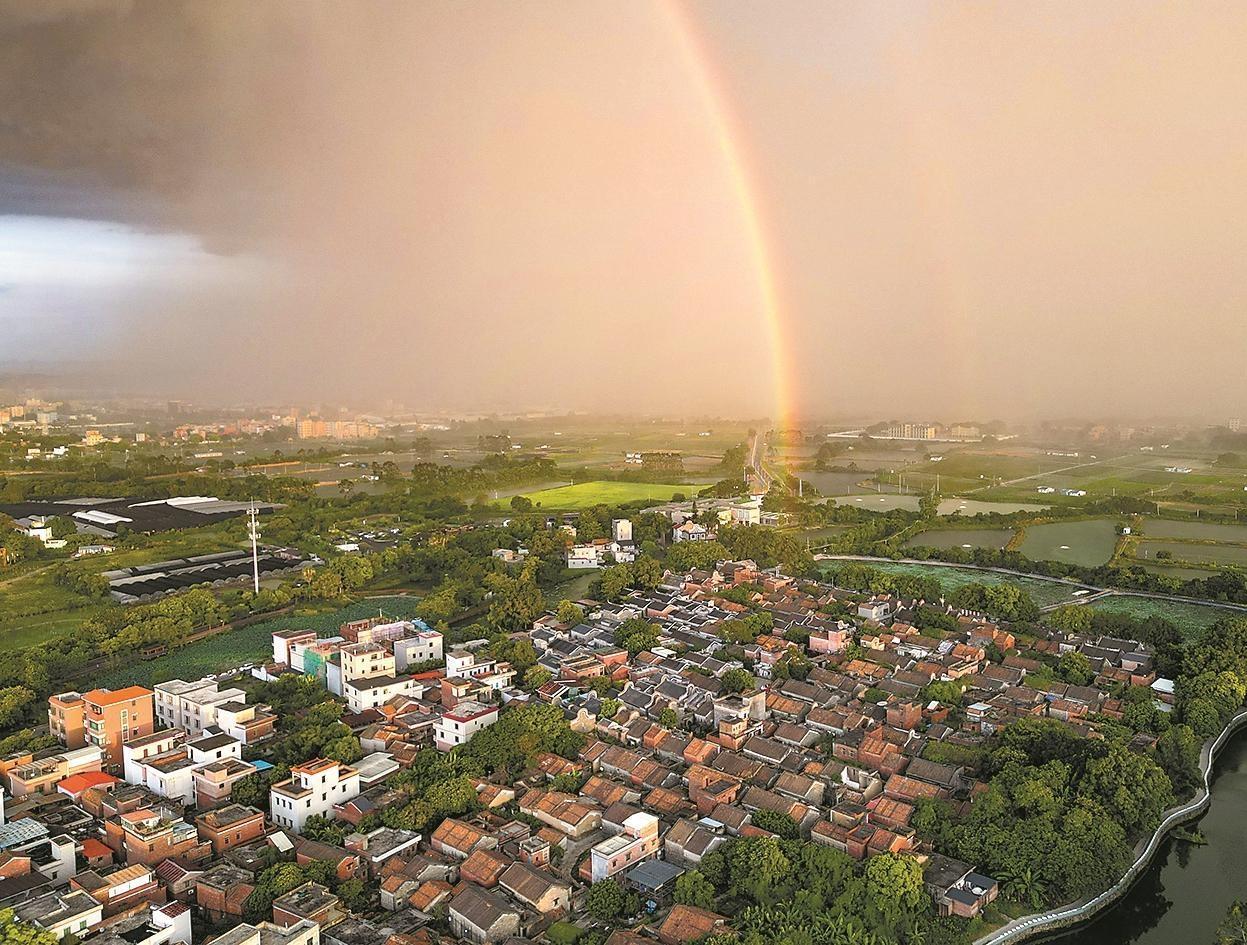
x: 585, y: 556
x: 311, y: 790
x: 424, y: 647
x: 459, y: 724
x: 192, y: 705
x: 691, y: 531
x: 370, y: 679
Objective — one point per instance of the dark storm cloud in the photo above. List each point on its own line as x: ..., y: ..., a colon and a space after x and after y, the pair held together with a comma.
x: 985, y: 208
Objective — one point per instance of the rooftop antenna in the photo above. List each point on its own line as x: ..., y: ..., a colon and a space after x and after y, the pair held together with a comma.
x: 253, y: 531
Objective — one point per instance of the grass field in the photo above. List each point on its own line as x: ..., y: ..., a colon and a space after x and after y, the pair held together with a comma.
x: 584, y: 495
x: 1088, y: 543
x: 249, y: 644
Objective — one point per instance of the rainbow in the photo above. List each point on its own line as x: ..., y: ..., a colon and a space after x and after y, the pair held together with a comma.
x: 730, y: 139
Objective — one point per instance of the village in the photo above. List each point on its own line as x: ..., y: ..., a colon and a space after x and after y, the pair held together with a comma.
x: 158, y: 819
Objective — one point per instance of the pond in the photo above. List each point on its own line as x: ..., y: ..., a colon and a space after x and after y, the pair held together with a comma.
x: 995, y: 538
x: 1198, y: 531
x: 1193, y: 553
x: 978, y: 506
x: 1087, y: 543
x: 1183, y: 896
x: 886, y: 501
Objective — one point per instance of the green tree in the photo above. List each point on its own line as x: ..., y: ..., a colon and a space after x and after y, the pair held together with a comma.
x: 1177, y: 753
x: 324, y: 830
x: 607, y: 901
x: 1233, y: 928
x: 737, y: 680
x: 569, y: 613
x: 693, y: 889
x: 1075, y: 668
x: 894, y: 882
x: 13, y: 932
x: 636, y: 635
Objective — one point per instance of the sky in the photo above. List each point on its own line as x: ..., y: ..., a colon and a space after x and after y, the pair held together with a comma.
x: 941, y: 210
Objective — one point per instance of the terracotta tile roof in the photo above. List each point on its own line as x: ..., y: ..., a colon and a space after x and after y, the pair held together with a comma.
x: 77, y: 783
x: 105, y: 697
x: 687, y: 924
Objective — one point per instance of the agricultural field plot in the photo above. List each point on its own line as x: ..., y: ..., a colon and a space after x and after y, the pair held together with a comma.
x: 995, y: 538
x: 1044, y: 593
x: 228, y: 651
x: 584, y: 495
x: 1192, y: 553
x: 837, y: 483
x: 1189, y: 618
x: 1088, y: 543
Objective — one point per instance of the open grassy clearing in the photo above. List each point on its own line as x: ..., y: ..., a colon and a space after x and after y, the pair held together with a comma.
x: 1194, y: 531
x: 584, y: 495
x: 1193, y: 552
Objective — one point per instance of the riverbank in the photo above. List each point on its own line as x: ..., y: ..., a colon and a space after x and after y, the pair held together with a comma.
x: 1083, y: 911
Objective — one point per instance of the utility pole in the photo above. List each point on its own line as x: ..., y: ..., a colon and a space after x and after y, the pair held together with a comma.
x: 253, y: 530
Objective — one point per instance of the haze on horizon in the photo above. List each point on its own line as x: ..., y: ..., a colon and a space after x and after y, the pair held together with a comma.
x: 968, y: 209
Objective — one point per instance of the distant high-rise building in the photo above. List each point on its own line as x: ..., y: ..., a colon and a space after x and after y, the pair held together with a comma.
x: 1235, y: 424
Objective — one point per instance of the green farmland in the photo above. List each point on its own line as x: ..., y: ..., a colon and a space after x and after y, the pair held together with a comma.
x: 585, y: 495
x: 1044, y: 592
x: 995, y: 538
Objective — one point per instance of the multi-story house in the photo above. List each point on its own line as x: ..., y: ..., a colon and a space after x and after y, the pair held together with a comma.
x: 192, y: 705
x: 459, y: 724
x: 230, y: 826
x: 312, y: 790
x: 102, y: 717
x: 30, y: 775
x: 151, y: 836
x: 423, y: 647
x: 638, y: 842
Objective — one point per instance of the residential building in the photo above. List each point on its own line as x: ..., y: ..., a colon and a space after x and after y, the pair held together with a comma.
x: 639, y: 841
x: 192, y: 705
x: 312, y: 790
x: 108, y: 719
x: 32, y: 775
x: 459, y: 724
x: 61, y: 913
x: 230, y: 826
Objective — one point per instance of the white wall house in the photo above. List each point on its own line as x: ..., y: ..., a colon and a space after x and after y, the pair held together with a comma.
x: 192, y: 705
x: 311, y: 790
x: 459, y: 724
x: 424, y: 647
